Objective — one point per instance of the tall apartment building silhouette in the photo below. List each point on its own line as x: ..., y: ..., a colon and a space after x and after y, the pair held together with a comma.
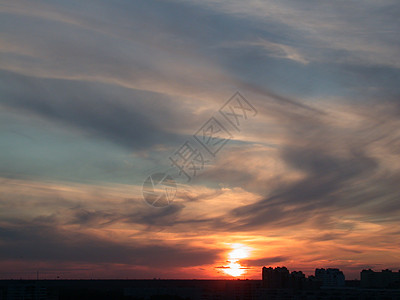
x: 281, y: 278
x: 384, y: 279
x: 330, y: 277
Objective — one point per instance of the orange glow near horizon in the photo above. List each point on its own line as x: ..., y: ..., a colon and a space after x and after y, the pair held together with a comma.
x: 234, y: 268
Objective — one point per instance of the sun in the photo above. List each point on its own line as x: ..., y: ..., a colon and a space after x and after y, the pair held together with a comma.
x: 238, y: 253
x: 234, y: 268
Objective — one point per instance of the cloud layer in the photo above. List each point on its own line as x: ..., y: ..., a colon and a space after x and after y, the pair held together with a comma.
x: 97, y: 95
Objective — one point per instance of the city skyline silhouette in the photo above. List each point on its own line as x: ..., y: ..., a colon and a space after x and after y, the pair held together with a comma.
x: 200, y: 140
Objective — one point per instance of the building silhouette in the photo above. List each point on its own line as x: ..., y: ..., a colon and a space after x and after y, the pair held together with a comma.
x: 384, y: 279
x: 281, y: 278
x: 277, y: 278
x: 330, y: 277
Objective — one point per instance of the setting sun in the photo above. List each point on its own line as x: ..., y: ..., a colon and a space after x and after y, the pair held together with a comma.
x: 234, y: 268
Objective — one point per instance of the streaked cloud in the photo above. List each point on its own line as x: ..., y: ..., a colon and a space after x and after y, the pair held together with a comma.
x: 97, y: 95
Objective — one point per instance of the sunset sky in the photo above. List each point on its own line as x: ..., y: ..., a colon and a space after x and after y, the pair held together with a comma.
x: 97, y: 95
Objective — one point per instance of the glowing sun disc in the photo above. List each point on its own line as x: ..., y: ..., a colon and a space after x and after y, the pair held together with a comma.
x: 234, y: 268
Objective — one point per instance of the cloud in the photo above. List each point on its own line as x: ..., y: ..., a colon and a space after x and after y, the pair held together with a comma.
x: 281, y: 51
x: 81, y: 105
x: 35, y: 241
x: 265, y: 261
x: 326, y: 31
x: 98, y: 93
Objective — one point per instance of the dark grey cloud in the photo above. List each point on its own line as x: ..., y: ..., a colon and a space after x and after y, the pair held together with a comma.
x: 321, y: 193
x: 40, y: 240
x: 265, y: 261
x: 131, y: 119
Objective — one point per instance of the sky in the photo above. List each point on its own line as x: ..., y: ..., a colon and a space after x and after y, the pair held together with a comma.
x: 95, y: 96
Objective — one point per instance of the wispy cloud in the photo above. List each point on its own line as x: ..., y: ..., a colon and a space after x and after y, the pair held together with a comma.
x: 281, y: 51
x: 327, y: 31
x: 97, y: 95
